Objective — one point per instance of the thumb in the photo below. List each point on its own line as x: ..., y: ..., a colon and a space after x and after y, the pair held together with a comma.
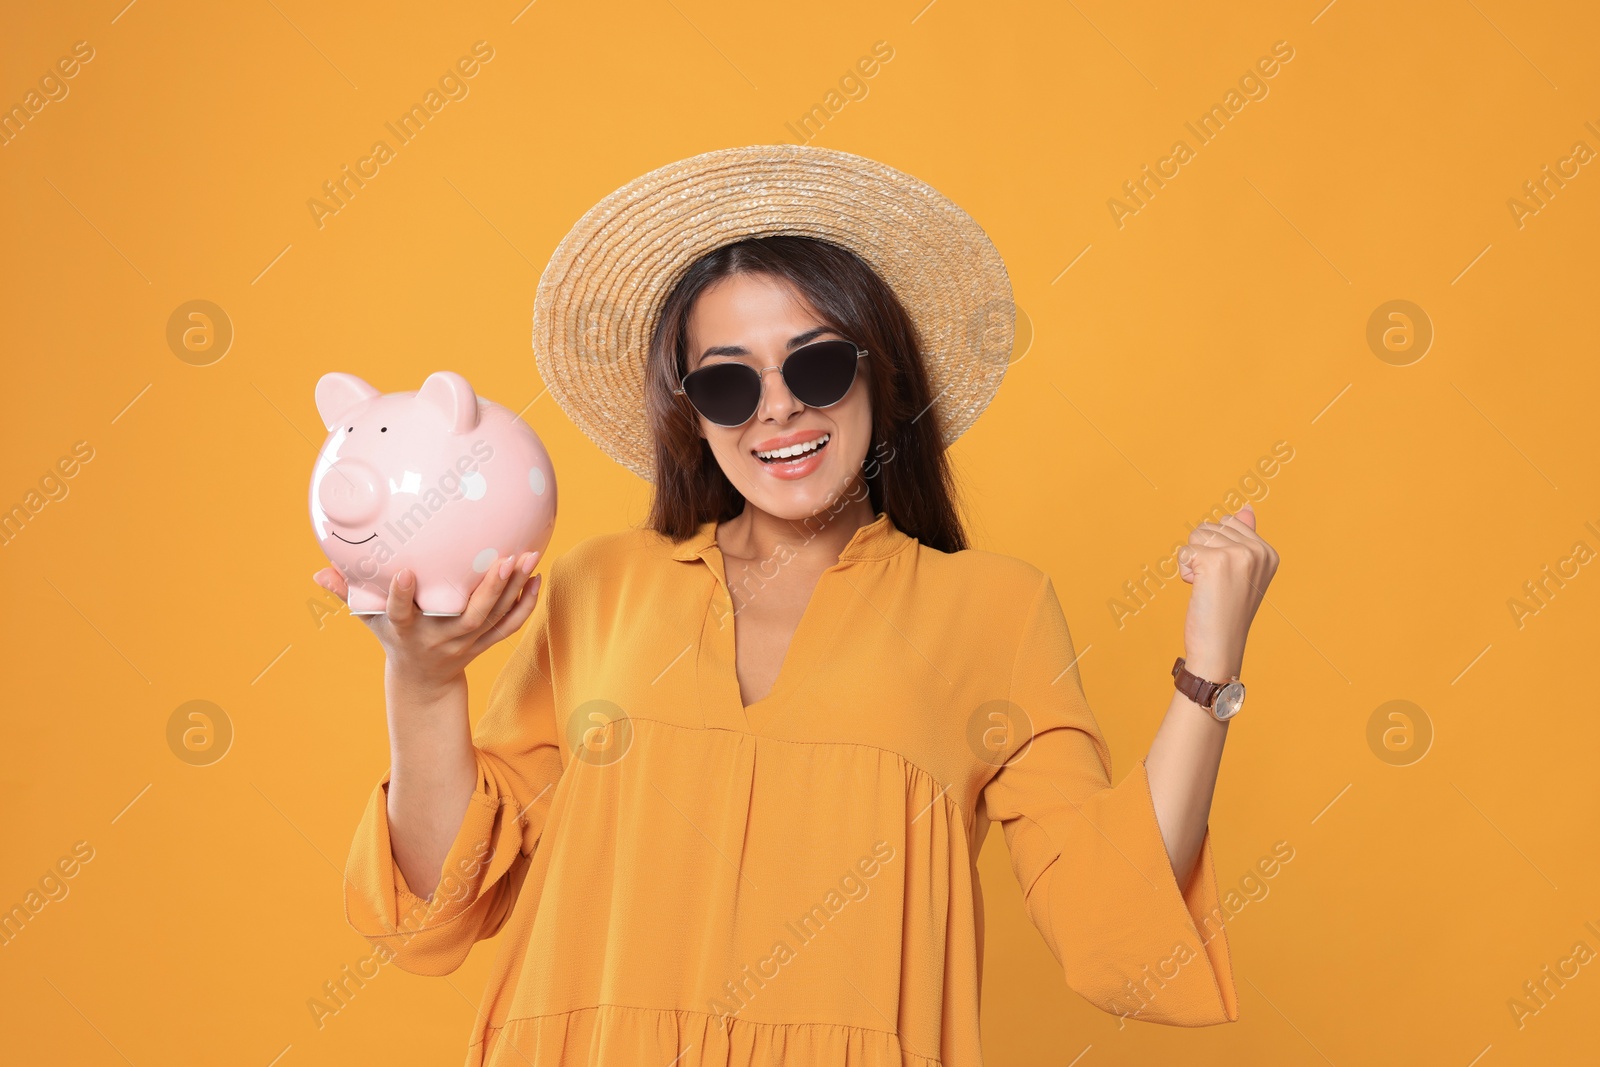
x: 331, y: 580
x: 401, y: 606
x: 1186, y: 556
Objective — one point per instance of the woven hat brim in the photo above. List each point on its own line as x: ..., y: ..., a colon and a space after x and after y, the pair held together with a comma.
x: 603, y: 290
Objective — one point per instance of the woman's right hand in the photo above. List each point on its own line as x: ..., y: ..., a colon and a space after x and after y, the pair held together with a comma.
x: 426, y: 653
x: 433, y: 768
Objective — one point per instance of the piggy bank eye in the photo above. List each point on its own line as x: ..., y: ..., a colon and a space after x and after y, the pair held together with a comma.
x: 350, y: 429
x: 383, y: 429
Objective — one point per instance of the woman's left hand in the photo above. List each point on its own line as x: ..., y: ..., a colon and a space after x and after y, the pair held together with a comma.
x: 1229, y: 566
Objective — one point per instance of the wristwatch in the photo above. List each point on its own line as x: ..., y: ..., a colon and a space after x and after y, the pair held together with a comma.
x: 1222, y: 699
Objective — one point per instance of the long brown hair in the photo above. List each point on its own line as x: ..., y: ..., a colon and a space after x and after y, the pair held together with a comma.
x: 906, y: 471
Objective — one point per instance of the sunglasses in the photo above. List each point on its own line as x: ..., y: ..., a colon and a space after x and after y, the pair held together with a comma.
x: 818, y: 374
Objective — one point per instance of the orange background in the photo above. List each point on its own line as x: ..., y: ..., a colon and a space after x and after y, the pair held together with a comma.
x: 1228, y: 314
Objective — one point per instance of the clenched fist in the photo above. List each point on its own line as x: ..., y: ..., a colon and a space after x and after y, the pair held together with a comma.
x: 1229, y: 566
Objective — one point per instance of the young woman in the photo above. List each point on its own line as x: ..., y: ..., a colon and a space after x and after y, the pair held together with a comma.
x: 726, y: 800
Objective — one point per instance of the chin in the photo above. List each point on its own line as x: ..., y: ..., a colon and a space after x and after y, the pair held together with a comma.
x: 798, y: 499
x: 797, y: 507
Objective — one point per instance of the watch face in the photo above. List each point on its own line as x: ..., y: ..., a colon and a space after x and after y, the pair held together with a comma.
x: 1229, y: 700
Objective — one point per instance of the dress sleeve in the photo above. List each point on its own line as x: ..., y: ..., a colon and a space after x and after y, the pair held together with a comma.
x: 1089, y: 856
x: 519, y: 761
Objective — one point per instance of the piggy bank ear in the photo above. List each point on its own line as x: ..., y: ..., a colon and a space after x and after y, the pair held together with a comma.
x: 451, y: 395
x: 337, y: 393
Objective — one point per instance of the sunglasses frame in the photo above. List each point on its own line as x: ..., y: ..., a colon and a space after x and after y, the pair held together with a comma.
x: 761, y: 376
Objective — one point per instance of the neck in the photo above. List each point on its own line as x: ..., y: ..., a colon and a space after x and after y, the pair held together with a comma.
x: 754, y: 534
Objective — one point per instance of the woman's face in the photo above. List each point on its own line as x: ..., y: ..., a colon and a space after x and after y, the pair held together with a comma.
x: 758, y: 319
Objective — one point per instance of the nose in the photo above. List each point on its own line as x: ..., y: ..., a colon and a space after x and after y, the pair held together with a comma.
x: 777, y: 403
x: 352, y: 492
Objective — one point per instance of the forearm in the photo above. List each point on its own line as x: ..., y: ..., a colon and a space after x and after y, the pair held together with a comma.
x: 1182, y: 766
x: 433, y: 773
x: 1229, y: 566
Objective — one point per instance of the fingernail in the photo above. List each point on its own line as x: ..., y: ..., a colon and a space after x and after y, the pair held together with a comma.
x: 505, y: 568
x: 320, y: 580
x: 527, y: 563
x: 403, y: 579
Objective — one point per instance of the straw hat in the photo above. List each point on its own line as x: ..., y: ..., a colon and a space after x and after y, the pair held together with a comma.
x: 603, y: 290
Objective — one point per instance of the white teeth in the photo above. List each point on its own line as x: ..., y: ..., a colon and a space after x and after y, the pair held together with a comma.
x: 795, y: 450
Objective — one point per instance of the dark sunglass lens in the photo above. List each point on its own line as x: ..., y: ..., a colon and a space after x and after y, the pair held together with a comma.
x: 821, y: 374
x: 725, y: 393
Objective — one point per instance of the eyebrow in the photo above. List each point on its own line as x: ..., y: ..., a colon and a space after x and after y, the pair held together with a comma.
x: 794, y: 342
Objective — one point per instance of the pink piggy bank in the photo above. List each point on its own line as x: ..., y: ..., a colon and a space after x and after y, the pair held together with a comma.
x: 437, y: 480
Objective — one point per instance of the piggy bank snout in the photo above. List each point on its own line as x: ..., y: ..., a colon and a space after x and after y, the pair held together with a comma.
x: 352, y: 492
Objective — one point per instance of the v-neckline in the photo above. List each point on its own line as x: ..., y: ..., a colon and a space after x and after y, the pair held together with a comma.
x: 792, y: 653
x: 717, y: 655
x: 796, y: 654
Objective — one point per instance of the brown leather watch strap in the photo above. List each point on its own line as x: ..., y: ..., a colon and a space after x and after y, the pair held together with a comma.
x: 1200, y: 690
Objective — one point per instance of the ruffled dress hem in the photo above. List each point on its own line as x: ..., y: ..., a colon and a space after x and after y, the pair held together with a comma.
x: 625, y: 1035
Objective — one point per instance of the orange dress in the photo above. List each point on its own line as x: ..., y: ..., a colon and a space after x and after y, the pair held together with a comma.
x: 679, y: 879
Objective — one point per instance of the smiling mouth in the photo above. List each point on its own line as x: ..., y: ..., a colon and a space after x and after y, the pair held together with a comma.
x: 347, y: 540
x: 803, y: 450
